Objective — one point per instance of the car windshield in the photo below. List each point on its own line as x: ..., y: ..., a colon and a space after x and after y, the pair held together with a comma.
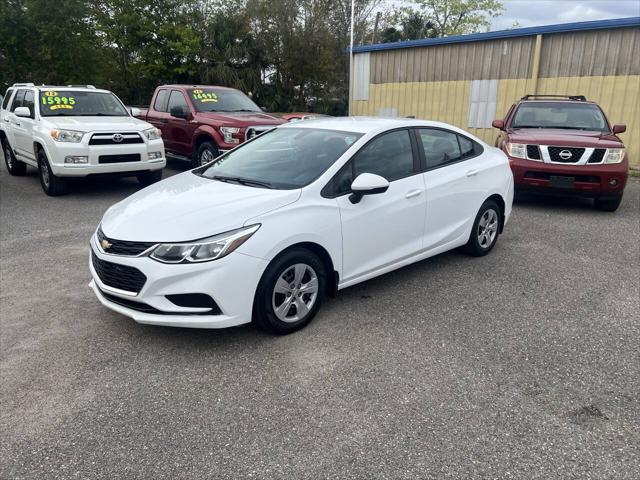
x: 283, y: 158
x: 566, y: 115
x: 84, y: 103
x: 218, y: 100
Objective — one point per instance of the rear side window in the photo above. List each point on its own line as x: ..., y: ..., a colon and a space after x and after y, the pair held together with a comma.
x: 177, y: 100
x: 160, y: 105
x: 7, y: 97
x: 442, y: 147
x: 17, y: 101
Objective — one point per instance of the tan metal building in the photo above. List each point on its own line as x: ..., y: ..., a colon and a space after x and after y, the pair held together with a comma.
x: 469, y: 80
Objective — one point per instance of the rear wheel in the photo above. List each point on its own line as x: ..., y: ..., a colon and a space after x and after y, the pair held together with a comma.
x: 52, y: 185
x: 147, y: 178
x: 206, y: 153
x: 290, y: 292
x: 608, y: 204
x: 14, y: 166
x: 485, y: 231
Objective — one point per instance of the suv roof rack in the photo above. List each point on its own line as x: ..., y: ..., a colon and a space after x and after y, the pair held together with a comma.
x: 23, y: 85
x: 579, y: 98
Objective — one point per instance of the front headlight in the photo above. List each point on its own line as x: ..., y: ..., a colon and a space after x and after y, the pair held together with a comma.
x: 70, y: 136
x: 228, y: 133
x: 203, y: 250
x: 152, y: 133
x: 517, y: 150
x: 614, y: 155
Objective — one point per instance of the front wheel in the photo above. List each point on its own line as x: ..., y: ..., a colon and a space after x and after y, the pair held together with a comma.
x: 290, y: 292
x: 608, y: 204
x: 147, y: 178
x: 206, y: 153
x: 52, y: 185
x: 14, y: 166
x: 485, y: 231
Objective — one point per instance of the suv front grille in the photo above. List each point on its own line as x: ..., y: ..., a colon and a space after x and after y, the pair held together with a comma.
x: 597, y: 156
x: 111, y: 138
x: 122, y: 247
x: 557, y: 153
x: 533, y: 152
x: 257, y: 130
x: 122, y: 277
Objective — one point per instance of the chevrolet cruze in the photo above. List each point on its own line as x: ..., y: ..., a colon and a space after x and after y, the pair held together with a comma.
x: 267, y: 230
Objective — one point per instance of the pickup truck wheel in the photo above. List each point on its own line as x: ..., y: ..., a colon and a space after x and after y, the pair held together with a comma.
x: 52, y: 185
x: 207, y: 152
x: 147, y: 178
x: 609, y: 204
x: 14, y: 166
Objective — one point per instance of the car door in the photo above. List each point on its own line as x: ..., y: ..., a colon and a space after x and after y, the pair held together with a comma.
x: 453, y: 179
x: 179, y: 129
x: 384, y: 228
x: 23, y: 128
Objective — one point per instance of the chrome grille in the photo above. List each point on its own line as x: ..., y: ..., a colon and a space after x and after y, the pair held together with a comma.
x: 115, y: 138
x: 565, y: 154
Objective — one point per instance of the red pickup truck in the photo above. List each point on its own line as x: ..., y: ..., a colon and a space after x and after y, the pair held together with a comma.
x: 199, y: 122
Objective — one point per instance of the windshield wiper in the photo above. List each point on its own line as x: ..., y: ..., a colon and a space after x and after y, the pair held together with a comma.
x: 242, y: 181
x: 245, y: 110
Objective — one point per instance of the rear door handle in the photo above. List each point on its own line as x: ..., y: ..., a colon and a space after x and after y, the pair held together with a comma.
x: 412, y: 193
x: 471, y: 173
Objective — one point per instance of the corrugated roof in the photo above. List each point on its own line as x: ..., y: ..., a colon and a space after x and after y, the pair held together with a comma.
x: 515, y: 32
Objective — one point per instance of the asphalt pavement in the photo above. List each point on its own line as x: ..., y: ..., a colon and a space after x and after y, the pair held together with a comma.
x: 521, y: 364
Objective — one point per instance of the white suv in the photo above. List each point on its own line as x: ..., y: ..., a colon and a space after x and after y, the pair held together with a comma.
x: 76, y: 131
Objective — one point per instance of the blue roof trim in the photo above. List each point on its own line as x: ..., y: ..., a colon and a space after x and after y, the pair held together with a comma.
x: 516, y: 32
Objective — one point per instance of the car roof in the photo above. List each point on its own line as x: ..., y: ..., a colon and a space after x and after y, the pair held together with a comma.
x: 367, y: 124
x: 178, y: 85
x: 67, y: 88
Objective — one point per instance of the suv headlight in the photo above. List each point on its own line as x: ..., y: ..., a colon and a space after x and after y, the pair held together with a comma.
x: 71, y: 136
x: 203, y: 250
x: 517, y: 150
x: 614, y: 155
x: 152, y: 133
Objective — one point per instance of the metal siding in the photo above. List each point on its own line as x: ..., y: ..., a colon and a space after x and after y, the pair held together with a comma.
x: 510, y: 58
x: 591, y: 53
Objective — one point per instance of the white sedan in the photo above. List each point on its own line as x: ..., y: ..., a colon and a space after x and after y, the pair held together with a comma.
x: 267, y: 230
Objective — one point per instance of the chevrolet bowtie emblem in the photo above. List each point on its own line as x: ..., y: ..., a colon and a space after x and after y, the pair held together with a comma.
x: 105, y: 244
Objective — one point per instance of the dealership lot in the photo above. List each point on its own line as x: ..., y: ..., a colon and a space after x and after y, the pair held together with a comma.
x: 521, y: 364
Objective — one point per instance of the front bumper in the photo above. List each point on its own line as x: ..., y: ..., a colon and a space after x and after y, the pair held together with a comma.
x: 94, y: 167
x: 589, y: 180
x: 230, y: 281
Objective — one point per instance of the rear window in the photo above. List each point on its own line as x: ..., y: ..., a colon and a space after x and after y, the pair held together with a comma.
x: 562, y: 115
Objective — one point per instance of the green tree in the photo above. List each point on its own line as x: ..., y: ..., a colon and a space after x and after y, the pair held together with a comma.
x: 459, y: 17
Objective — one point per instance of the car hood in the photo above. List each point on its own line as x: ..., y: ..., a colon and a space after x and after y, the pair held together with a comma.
x: 99, y: 124
x: 566, y: 138
x: 189, y: 207
x: 241, y: 119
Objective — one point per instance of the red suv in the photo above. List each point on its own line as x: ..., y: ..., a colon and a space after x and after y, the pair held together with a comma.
x: 564, y: 145
x: 199, y: 122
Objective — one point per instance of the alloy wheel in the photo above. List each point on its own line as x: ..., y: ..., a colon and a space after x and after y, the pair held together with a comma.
x: 206, y: 156
x: 487, y: 228
x: 295, y: 293
x: 8, y: 157
x: 44, y: 172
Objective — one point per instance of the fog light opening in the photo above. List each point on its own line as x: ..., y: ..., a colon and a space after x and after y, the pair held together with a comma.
x: 74, y: 159
x: 613, y: 182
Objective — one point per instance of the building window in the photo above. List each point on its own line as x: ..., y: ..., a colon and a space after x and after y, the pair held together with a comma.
x: 361, y: 71
x: 482, y: 103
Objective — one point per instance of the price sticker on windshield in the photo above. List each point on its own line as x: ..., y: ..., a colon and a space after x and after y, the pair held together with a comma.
x: 54, y: 101
x: 204, y: 97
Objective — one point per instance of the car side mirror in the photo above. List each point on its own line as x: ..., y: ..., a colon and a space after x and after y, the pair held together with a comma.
x: 367, y: 184
x: 22, y: 112
x: 619, y: 128
x: 498, y: 123
x: 178, y: 112
x: 135, y: 111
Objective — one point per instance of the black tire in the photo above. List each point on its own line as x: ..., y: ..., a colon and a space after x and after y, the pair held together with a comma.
x: 52, y: 185
x: 264, y: 313
x: 476, y: 246
x: 14, y: 166
x: 147, y: 178
x: 608, y: 204
x: 206, y: 152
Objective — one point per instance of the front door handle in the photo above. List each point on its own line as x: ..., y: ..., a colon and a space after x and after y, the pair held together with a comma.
x: 412, y: 193
x: 471, y: 173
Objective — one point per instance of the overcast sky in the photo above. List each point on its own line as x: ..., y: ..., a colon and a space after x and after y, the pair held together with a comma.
x: 530, y: 13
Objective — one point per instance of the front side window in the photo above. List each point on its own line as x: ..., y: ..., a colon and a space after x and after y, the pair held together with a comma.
x: 176, y: 100
x: 440, y: 147
x: 217, y: 100
x: 390, y: 156
x: 80, y: 103
x: 563, y: 115
x: 17, y: 100
x: 283, y: 158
